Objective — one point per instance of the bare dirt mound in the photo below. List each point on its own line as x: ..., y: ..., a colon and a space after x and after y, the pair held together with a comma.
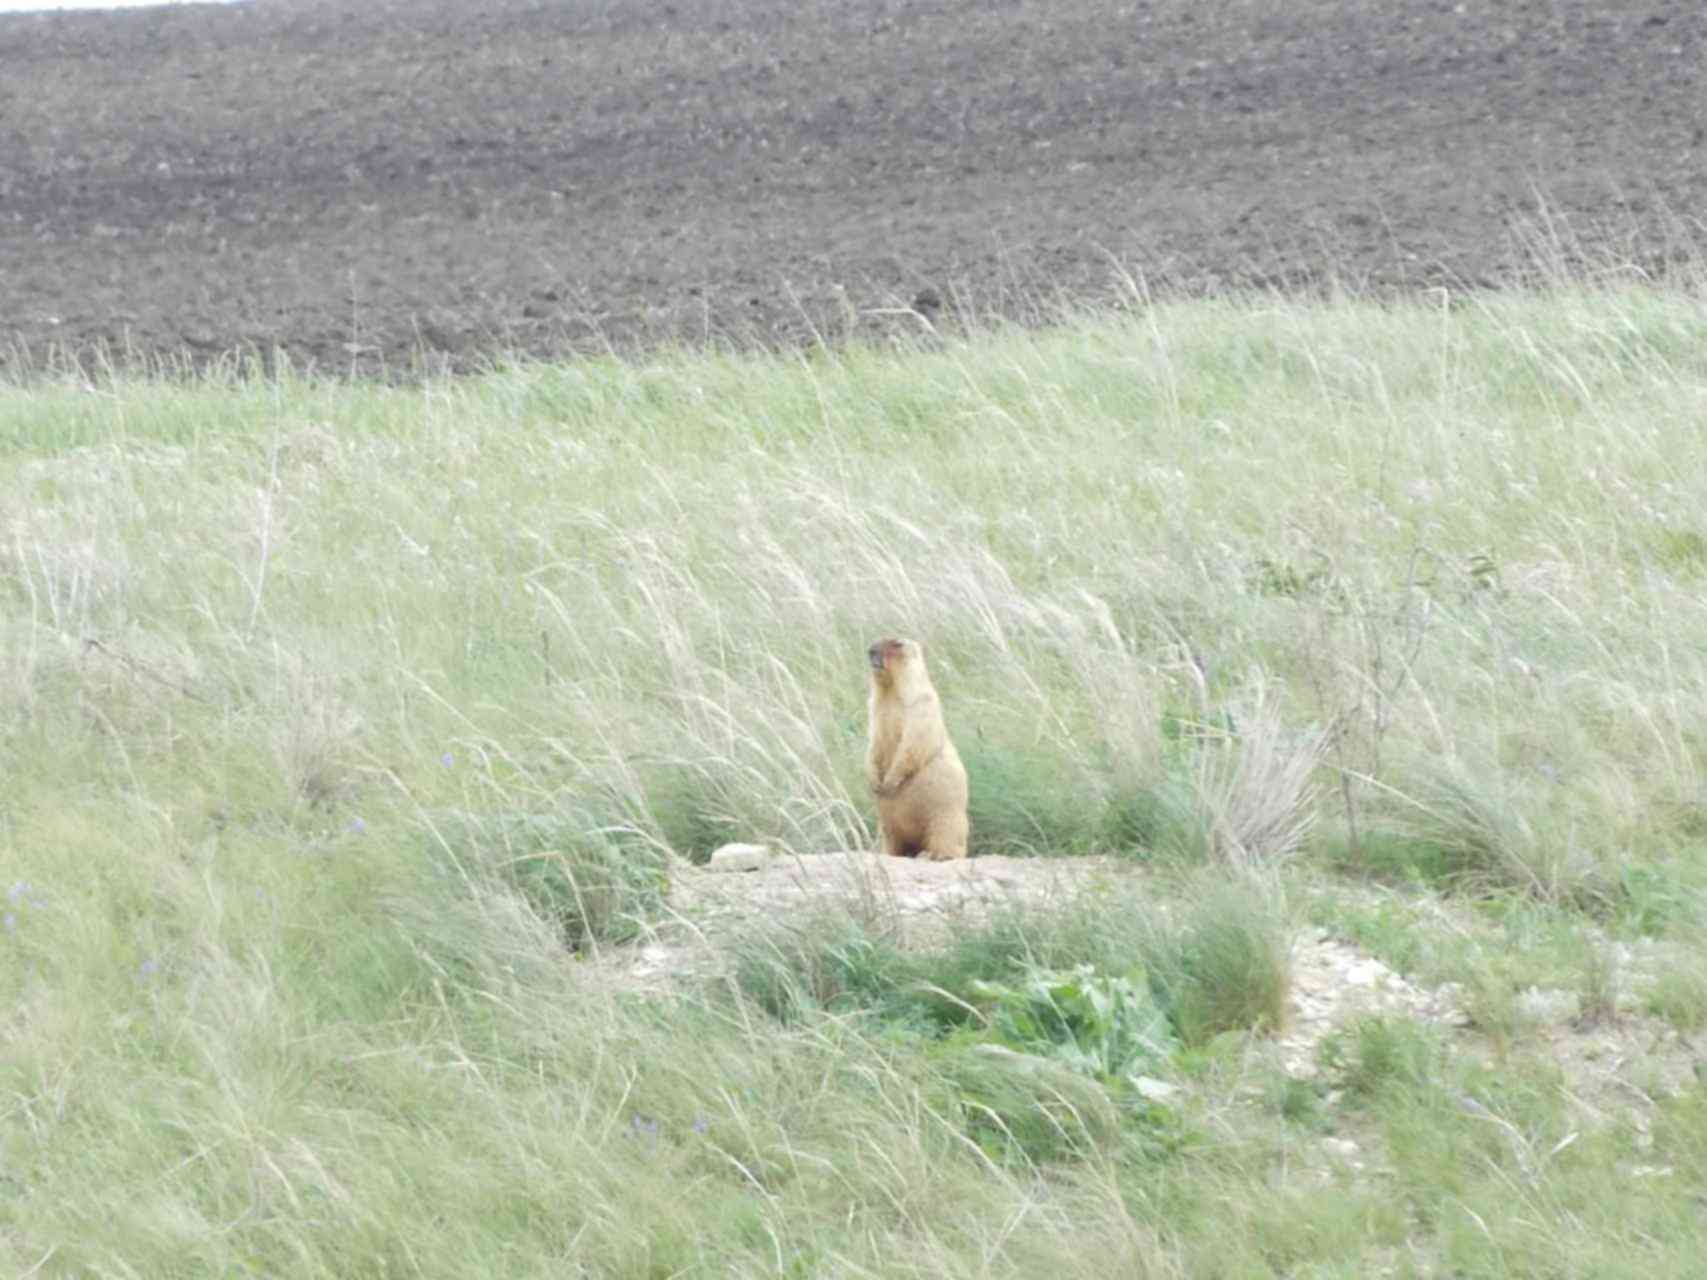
x: 1617, y: 1064
x: 920, y: 904
x: 369, y: 185
x: 914, y: 902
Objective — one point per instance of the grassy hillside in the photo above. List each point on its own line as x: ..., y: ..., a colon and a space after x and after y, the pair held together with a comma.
x: 335, y: 719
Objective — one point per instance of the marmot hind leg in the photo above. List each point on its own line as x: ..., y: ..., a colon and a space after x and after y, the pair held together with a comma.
x: 946, y: 839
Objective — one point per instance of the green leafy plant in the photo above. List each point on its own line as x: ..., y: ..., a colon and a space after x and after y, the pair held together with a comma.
x: 1105, y: 1025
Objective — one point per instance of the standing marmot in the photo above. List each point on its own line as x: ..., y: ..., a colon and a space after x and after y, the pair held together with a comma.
x: 913, y: 768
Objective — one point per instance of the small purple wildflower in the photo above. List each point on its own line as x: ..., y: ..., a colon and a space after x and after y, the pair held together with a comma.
x: 447, y: 760
x: 148, y: 968
x: 644, y: 1127
x: 11, y: 922
x: 357, y: 826
x: 15, y: 894
x: 701, y: 1125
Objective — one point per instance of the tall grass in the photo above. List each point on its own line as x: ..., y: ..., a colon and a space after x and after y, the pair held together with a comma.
x: 337, y: 720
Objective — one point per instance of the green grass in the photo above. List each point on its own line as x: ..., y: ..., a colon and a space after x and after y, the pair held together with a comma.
x: 343, y: 726
x: 1218, y: 965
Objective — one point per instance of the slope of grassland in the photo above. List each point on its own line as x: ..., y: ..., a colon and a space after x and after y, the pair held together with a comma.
x: 346, y: 730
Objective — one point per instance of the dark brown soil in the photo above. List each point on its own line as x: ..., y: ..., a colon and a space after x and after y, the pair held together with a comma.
x: 372, y: 184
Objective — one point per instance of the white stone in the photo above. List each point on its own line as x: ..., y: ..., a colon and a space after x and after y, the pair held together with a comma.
x: 739, y: 857
x: 1154, y: 1090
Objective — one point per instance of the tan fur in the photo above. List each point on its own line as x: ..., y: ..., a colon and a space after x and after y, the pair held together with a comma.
x: 911, y: 766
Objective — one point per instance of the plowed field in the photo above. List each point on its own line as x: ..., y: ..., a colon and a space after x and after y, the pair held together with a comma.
x: 385, y: 184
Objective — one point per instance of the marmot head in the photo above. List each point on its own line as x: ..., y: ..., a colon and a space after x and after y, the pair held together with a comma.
x: 888, y: 656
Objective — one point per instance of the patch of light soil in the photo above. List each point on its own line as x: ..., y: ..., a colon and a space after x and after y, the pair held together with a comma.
x: 912, y: 902
x: 1620, y: 1064
x: 1334, y: 981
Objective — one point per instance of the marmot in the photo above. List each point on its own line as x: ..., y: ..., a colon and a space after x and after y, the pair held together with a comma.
x: 913, y: 768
